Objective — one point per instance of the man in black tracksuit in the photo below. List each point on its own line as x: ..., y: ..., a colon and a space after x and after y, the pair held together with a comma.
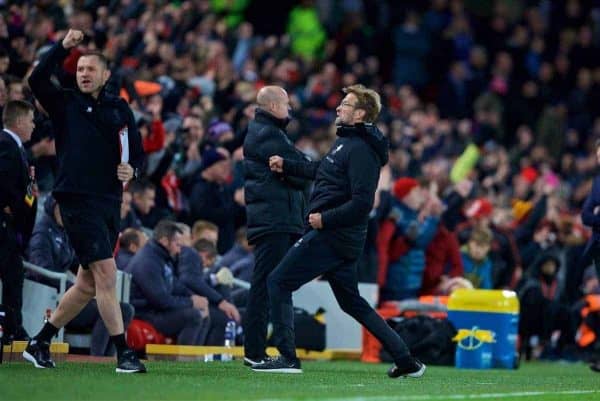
x: 345, y: 183
x: 275, y: 207
x: 98, y: 149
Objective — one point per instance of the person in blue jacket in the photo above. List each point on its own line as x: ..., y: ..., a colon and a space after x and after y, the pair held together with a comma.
x: 416, y: 223
x: 159, y: 296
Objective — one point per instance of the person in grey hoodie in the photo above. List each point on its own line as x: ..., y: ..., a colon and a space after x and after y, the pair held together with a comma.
x: 344, y: 189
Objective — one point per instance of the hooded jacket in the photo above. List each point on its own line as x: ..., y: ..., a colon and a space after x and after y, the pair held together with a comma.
x: 345, y: 183
x: 535, y: 279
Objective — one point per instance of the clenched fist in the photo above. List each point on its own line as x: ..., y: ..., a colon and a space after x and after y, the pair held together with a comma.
x: 125, y: 172
x: 276, y: 164
x: 225, y: 277
x: 72, y: 39
x: 315, y: 220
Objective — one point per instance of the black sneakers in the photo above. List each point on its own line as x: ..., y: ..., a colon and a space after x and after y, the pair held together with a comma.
x: 413, y: 368
x: 38, y: 353
x: 278, y: 365
x: 129, y: 363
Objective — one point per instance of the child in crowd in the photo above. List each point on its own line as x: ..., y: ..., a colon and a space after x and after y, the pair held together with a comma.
x: 475, y: 257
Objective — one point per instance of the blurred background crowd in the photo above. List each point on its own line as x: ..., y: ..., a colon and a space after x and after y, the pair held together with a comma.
x: 491, y: 108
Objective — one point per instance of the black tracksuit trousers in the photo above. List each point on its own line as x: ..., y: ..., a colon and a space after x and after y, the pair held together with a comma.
x: 268, y: 252
x: 311, y: 257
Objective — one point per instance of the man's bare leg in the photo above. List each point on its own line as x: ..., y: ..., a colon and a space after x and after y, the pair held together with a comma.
x: 75, y: 299
x: 105, y: 278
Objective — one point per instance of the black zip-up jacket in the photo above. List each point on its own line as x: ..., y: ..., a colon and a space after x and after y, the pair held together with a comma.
x: 274, y: 203
x: 87, y: 132
x: 345, y: 183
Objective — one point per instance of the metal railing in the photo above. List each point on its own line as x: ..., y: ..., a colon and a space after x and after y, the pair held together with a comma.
x: 123, y: 284
x: 62, y: 278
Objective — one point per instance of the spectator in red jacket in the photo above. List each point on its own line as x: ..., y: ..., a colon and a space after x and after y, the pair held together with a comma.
x: 442, y: 263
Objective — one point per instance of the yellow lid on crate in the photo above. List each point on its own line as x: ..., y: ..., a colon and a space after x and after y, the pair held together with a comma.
x: 481, y: 336
x: 494, y: 301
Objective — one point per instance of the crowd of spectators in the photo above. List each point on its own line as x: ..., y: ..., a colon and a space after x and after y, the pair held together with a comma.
x: 490, y: 107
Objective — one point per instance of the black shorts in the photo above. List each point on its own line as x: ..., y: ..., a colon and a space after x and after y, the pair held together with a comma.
x: 92, y: 225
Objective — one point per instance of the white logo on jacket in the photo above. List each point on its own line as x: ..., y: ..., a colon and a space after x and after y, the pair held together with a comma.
x: 337, y: 149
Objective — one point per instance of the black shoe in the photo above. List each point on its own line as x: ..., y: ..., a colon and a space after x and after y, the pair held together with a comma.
x: 595, y: 366
x: 38, y: 353
x: 129, y: 363
x: 278, y: 365
x: 413, y: 368
x: 255, y: 361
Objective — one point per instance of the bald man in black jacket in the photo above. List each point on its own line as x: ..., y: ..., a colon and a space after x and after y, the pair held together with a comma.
x: 275, y: 208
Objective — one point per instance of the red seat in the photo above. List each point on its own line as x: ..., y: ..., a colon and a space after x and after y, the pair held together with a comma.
x: 140, y: 333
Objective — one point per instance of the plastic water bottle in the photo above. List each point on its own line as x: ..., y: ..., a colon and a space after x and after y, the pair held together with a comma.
x: 229, y: 340
x: 2, y: 316
x: 1, y: 344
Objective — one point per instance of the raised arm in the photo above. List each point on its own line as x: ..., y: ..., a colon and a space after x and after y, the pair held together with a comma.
x: 44, y: 90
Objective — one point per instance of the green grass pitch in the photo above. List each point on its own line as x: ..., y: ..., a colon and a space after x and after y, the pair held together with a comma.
x: 351, y: 381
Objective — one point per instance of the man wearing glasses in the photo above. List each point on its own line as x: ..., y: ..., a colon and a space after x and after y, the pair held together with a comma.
x: 344, y: 189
